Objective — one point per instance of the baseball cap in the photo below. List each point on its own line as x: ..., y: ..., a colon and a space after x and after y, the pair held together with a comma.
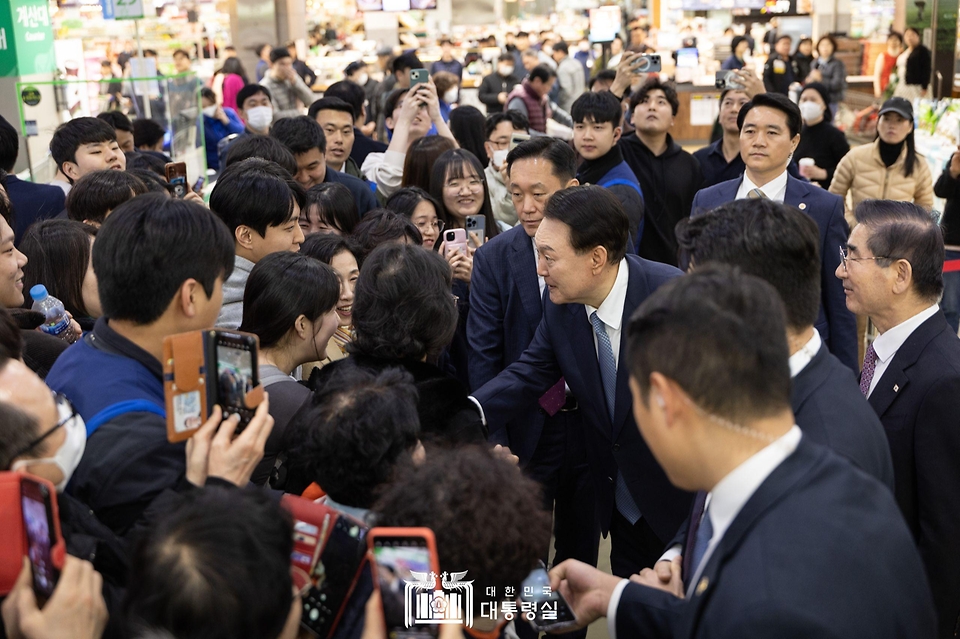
x: 900, y: 106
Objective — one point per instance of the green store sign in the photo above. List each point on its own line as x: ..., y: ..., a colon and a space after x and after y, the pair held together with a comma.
x: 26, y: 39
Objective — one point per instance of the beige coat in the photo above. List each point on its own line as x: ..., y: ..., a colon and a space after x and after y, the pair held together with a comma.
x: 862, y: 173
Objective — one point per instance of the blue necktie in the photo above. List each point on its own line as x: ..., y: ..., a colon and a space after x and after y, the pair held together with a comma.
x: 608, y: 375
x: 704, y: 533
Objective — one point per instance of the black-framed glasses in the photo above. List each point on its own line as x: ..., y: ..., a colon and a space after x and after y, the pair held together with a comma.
x: 844, y: 257
x: 63, y: 404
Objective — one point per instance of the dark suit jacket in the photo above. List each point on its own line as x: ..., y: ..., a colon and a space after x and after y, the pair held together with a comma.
x: 32, y: 202
x: 819, y: 550
x: 831, y: 411
x: 918, y: 401
x: 563, y: 345
x: 360, y: 189
x: 837, y: 325
x: 505, y: 310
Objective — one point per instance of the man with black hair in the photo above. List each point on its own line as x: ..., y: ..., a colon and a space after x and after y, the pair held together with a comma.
x: 306, y: 73
x: 570, y: 76
x: 531, y: 98
x: 363, y: 143
x: 603, y: 80
x: 263, y: 147
x: 254, y: 107
x: 304, y: 138
x: 500, y: 127
x: 668, y: 175
x: 495, y: 87
x: 160, y: 265
x: 287, y: 89
x: 447, y: 62
x: 32, y: 202
x: 769, y: 133
x: 593, y: 286
x: 97, y: 194
x: 83, y: 145
x: 778, y: 70
x: 148, y: 135
x: 123, y: 128
x: 336, y: 119
x: 260, y: 204
x: 780, y: 510
x: 596, y: 130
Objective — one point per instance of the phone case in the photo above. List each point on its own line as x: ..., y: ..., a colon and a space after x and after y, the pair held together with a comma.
x: 425, y: 533
x: 14, y: 548
x: 187, y: 393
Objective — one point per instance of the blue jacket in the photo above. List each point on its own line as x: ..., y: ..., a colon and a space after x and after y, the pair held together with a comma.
x: 214, y: 130
x: 837, y: 325
x: 32, y: 202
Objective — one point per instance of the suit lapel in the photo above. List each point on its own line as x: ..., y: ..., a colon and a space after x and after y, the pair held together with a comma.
x: 523, y: 263
x: 796, y: 194
x: 637, y: 291
x: 895, y: 378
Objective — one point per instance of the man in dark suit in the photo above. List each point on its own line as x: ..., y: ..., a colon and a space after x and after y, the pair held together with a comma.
x: 506, y: 306
x: 31, y: 202
x: 769, y: 133
x: 892, y: 273
x: 794, y: 542
x: 593, y: 288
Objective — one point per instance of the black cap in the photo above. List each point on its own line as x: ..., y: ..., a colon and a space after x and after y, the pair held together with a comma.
x: 900, y: 106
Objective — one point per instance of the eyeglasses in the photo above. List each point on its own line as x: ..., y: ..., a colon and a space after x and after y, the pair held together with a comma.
x: 436, y: 225
x: 500, y: 145
x: 844, y: 258
x: 63, y: 406
x: 471, y: 183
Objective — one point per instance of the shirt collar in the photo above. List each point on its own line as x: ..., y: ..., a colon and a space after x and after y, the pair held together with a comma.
x: 775, y: 189
x: 800, y: 359
x: 105, y: 338
x: 242, y: 264
x: 730, y: 495
x: 887, y: 344
x: 611, y: 309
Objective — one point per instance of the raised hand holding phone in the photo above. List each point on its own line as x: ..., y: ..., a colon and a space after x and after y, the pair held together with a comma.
x: 214, y: 452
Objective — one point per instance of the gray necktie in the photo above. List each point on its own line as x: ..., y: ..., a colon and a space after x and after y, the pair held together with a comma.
x: 757, y: 194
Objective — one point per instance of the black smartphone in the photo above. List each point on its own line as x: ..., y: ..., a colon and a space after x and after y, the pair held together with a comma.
x: 334, y: 574
x: 176, y: 173
x: 198, y: 185
x: 551, y: 612
x: 236, y: 372
x: 38, y: 523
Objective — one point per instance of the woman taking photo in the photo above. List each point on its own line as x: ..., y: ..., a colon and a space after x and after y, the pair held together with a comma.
x: 338, y: 253
x: 829, y: 71
x: 913, y: 68
x: 59, y: 257
x: 290, y: 304
x: 422, y: 210
x: 820, y: 141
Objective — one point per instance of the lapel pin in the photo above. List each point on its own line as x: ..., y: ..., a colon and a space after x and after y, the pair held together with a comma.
x: 896, y: 388
x: 702, y: 586
x: 802, y: 206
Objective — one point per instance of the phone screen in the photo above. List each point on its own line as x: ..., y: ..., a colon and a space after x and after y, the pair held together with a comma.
x: 396, y: 559
x: 37, y: 516
x: 550, y: 609
x: 333, y: 575
x: 235, y: 376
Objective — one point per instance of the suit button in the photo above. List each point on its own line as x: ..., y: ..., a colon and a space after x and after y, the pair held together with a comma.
x: 616, y: 447
x: 610, y: 479
x: 541, y: 411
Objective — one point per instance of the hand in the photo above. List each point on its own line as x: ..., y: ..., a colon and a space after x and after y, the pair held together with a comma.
x: 585, y: 588
x: 221, y: 115
x: 813, y: 172
x: 368, y: 128
x: 815, y: 76
x: 665, y: 575
x: 375, y: 627
x: 752, y: 85
x: 75, y: 611
x: 428, y: 97
x: 625, y: 75
x: 502, y: 452
x: 462, y: 264
x: 502, y: 97
x: 955, y: 165
x: 194, y: 197
x: 213, y: 452
x: 410, y: 107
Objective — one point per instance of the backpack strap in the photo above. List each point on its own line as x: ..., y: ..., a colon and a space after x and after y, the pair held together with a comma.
x: 621, y: 182
x: 122, y: 408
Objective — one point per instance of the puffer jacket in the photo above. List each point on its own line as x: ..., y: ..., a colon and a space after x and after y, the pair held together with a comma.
x: 863, y: 174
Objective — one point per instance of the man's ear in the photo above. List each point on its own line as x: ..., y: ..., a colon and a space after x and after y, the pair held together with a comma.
x: 243, y: 234
x: 388, y: 122
x: 189, y: 296
x: 573, y: 182
x: 71, y: 170
x: 617, y: 132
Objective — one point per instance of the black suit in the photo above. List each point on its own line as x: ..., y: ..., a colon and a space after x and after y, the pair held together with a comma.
x: 831, y: 410
x: 819, y: 550
x: 918, y: 401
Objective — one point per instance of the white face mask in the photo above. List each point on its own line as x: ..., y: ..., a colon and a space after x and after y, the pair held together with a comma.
x: 67, y: 457
x: 499, y: 157
x: 260, y: 117
x: 450, y: 96
x: 505, y: 70
x: 362, y: 79
x: 810, y: 111
x: 210, y: 111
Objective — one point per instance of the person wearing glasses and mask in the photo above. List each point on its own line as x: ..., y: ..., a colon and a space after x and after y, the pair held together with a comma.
x: 500, y: 128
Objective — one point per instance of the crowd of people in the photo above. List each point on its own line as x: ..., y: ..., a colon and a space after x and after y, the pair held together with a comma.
x: 514, y: 337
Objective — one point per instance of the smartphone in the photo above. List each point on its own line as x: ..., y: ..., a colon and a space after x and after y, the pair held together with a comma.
x: 649, y: 63
x: 476, y: 224
x: 37, y: 509
x: 727, y: 80
x: 517, y: 138
x: 551, y: 612
x: 418, y: 76
x: 455, y: 240
x: 334, y: 575
x: 176, y: 173
x: 198, y: 185
x: 397, y: 554
x: 235, y: 364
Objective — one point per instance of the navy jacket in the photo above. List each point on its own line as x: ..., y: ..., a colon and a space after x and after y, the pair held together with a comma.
x: 918, y: 401
x: 716, y: 169
x: 819, y: 550
x: 563, y: 345
x: 360, y: 189
x: 363, y: 146
x: 505, y: 310
x: 837, y: 325
x: 32, y: 202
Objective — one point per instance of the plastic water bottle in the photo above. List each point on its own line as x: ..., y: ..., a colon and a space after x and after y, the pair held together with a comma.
x: 57, y: 322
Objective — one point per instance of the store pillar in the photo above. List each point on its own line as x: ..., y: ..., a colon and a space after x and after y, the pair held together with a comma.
x: 27, y: 55
x: 830, y: 16
x: 273, y: 22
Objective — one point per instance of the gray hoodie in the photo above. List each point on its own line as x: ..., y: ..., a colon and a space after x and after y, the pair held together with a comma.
x: 231, y: 314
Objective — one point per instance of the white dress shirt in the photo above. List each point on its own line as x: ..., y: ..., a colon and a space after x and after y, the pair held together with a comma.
x: 887, y: 344
x: 611, y: 310
x: 536, y: 260
x: 775, y: 189
x: 799, y: 360
x: 725, y: 502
